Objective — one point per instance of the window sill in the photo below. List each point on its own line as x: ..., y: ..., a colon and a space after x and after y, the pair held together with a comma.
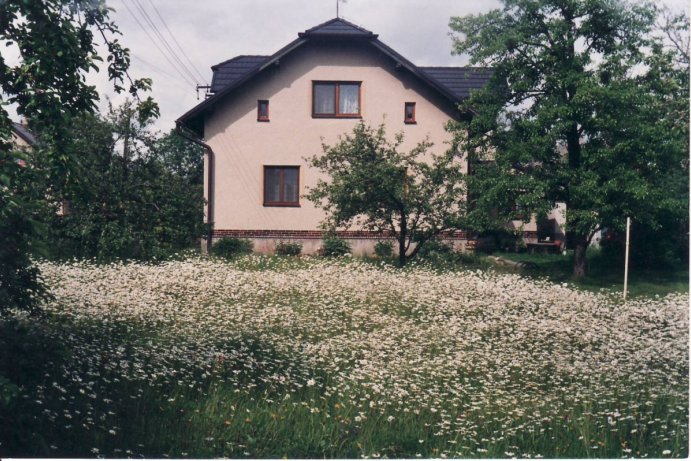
x: 410, y: 122
x: 281, y: 204
x: 336, y: 116
x: 263, y: 120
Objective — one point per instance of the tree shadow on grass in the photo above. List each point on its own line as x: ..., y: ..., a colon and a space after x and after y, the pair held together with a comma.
x: 58, y: 404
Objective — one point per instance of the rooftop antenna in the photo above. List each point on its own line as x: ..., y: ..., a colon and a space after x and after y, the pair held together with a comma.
x: 337, y: 3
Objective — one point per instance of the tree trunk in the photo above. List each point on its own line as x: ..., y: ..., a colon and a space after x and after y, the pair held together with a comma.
x: 401, y: 240
x: 580, y: 266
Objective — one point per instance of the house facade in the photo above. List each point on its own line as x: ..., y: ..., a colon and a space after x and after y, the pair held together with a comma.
x: 266, y: 114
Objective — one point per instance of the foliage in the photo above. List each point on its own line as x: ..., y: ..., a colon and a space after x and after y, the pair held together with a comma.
x: 383, y: 248
x: 586, y: 106
x: 228, y: 247
x: 414, y: 196
x: 20, y: 208
x: 501, y: 239
x: 648, y: 248
x: 56, y: 47
x: 436, y: 249
x: 138, y: 197
x: 288, y: 248
x: 334, y: 246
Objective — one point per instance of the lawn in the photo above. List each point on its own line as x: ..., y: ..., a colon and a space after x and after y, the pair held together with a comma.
x: 603, y: 275
x: 269, y: 357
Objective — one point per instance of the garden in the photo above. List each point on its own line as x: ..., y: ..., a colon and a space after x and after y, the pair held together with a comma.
x: 266, y: 356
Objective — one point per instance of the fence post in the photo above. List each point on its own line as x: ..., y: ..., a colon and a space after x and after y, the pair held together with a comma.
x: 626, y: 257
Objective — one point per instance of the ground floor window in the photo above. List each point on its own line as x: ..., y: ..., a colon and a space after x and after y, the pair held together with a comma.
x: 281, y: 186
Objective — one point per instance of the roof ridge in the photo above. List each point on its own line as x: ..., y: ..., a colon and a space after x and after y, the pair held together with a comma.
x: 316, y: 28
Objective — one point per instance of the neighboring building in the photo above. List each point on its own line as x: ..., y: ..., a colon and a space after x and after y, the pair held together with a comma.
x: 22, y: 137
x: 266, y: 114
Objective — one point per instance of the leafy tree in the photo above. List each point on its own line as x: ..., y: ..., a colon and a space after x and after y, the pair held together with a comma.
x: 585, y: 107
x: 141, y: 198
x: 413, y: 196
x: 56, y: 44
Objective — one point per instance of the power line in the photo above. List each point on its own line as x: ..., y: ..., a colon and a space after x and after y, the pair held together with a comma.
x: 174, y: 79
x: 176, y: 42
x: 163, y: 40
x: 184, y: 77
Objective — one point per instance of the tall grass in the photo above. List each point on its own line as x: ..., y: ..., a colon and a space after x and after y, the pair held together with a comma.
x: 278, y: 357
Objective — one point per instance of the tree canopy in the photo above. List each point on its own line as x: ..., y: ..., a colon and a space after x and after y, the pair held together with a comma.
x: 586, y: 107
x: 49, y: 47
x: 412, y: 196
x: 141, y: 196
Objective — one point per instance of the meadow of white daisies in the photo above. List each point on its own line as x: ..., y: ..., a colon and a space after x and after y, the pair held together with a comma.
x: 340, y: 358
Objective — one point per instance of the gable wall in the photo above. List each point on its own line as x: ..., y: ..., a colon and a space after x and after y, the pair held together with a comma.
x: 242, y: 145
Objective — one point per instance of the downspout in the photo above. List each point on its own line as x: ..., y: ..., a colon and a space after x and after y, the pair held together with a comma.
x: 179, y: 129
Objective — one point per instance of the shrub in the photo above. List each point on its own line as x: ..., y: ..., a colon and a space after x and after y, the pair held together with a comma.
x: 383, y: 249
x: 436, y: 250
x: 288, y: 248
x: 231, y: 247
x: 500, y: 240
x: 333, y: 246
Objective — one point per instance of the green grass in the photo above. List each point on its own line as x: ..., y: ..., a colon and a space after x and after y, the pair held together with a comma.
x: 603, y: 275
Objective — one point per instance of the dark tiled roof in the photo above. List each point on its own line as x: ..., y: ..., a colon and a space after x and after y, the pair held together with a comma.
x: 454, y: 83
x: 228, y: 72
x: 338, y: 26
x: 459, y: 81
x: 24, y: 133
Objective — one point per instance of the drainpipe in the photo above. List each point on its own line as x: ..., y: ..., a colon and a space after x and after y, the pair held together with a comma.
x: 179, y: 129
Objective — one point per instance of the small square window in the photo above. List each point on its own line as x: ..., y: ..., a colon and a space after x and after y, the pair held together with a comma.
x: 262, y: 110
x: 409, y: 113
x: 281, y: 186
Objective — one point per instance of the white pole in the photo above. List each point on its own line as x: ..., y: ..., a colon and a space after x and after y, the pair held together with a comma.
x: 626, y: 258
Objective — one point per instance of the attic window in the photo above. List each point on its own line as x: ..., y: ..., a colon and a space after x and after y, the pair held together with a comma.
x: 262, y: 110
x: 336, y: 99
x: 409, y: 113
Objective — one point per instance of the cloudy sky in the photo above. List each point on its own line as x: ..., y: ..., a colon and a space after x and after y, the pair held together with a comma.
x: 202, y: 33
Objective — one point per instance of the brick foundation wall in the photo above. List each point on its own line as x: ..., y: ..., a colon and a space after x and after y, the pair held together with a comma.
x: 362, y: 242
x: 314, y: 234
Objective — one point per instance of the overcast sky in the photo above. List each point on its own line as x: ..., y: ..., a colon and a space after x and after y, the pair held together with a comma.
x: 207, y: 32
